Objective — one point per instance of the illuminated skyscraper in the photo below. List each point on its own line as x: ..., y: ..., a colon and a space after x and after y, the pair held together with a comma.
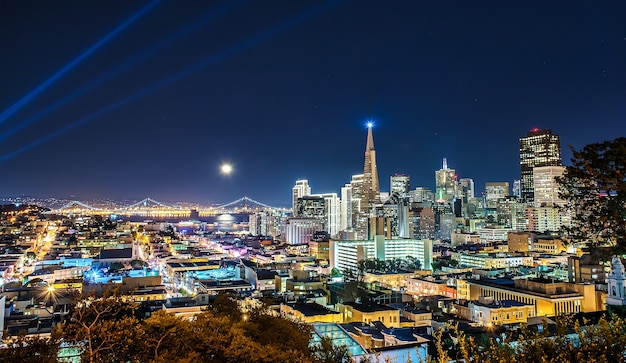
x: 467, y: 187
x: 495, y: 191
x: 445, y: 183
x: 351, y: 204
x: 301, y: 189
x: 399, y: 184
x: 370, y: 189
x: 332, y: 213
x: 538, y: 148
x: 546, y: 189
x: 546, y: 214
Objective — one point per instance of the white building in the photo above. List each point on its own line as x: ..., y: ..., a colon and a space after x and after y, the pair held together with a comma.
x: 350, y: 203
x: 491, y: 260
x: 301, y: 189
x: 545, y: 187
x: 346, y: 254
x: 544, y: 219
x: 488, y: 235
x: 266, y: 223
x: 345, y: 217
x: 617, y: 285
x: 300, y: 230
x: 332, y: 213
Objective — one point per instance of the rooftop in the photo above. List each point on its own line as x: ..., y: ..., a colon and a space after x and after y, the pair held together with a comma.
x: 369, y: 307
x: 311, y: 309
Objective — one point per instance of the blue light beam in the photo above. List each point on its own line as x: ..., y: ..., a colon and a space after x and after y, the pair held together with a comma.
x: 130, y: 62
x: 42, y: 87
x: 211, y: 60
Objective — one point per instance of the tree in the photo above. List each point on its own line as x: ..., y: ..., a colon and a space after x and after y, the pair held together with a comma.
x: 138, y: 264
x: 30, y: 349
x: 335, y: 272
x: 327, y: 352
x: 167, y: 338
x: 411, y: 263
x: 570, y: 341
x: 594, y: 187
x: 106, y: 328
x: 115, y: 266
x: 226, y: 305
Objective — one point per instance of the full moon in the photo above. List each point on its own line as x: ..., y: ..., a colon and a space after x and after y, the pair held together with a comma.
x: 226, y: 169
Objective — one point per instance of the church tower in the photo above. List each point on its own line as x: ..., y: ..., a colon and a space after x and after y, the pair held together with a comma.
x: 617, y: 288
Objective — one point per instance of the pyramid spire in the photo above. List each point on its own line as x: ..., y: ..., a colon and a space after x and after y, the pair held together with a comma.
x: 370, y: 138
x: 370, y: 189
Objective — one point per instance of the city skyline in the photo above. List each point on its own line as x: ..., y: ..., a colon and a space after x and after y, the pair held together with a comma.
x: 284, y: 92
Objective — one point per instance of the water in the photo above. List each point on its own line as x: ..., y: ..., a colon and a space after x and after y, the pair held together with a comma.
x: 222, y: 219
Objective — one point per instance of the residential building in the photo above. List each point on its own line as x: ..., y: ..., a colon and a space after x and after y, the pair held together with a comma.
x: 369, y: 312
x: 491, y: 260
x: 489, y: 312
x: 310, y: 313
x: 319, y: 246
x: 300, y: 230
x: 301, y: 189
x: 346, y: 254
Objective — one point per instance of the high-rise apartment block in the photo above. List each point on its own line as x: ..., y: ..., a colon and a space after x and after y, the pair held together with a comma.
x: 310, y: 206
x: 351, y: 204
x: 301, y: 189
x: 545, y: 187
x: 346, y: 254
x: 538, y: 148
x: 546, y: 215
x: 332, y: 213
x: 300, y: 230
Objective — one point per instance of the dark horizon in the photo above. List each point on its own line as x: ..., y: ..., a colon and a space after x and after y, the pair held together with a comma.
x: 283, y: 92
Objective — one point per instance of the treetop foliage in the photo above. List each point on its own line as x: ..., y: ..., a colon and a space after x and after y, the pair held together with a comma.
x: 594, y: 187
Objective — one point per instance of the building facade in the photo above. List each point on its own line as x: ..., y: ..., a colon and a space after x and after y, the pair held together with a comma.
x: 537, y: 148
x: 370, y: 188
x: 347, y: 254
x: 301, y: 189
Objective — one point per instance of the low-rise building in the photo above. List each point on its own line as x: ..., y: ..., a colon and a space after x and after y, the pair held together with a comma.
x: 369, y: 312
x: 488, y: 312
x: 491, y: 260
x: 549, y: 297
x: 310, y: 313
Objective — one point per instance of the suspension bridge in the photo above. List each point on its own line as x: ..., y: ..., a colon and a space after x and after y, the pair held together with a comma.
x: 149, y: 207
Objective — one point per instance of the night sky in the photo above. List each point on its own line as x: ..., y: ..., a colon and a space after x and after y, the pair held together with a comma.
x: 283, y: 90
